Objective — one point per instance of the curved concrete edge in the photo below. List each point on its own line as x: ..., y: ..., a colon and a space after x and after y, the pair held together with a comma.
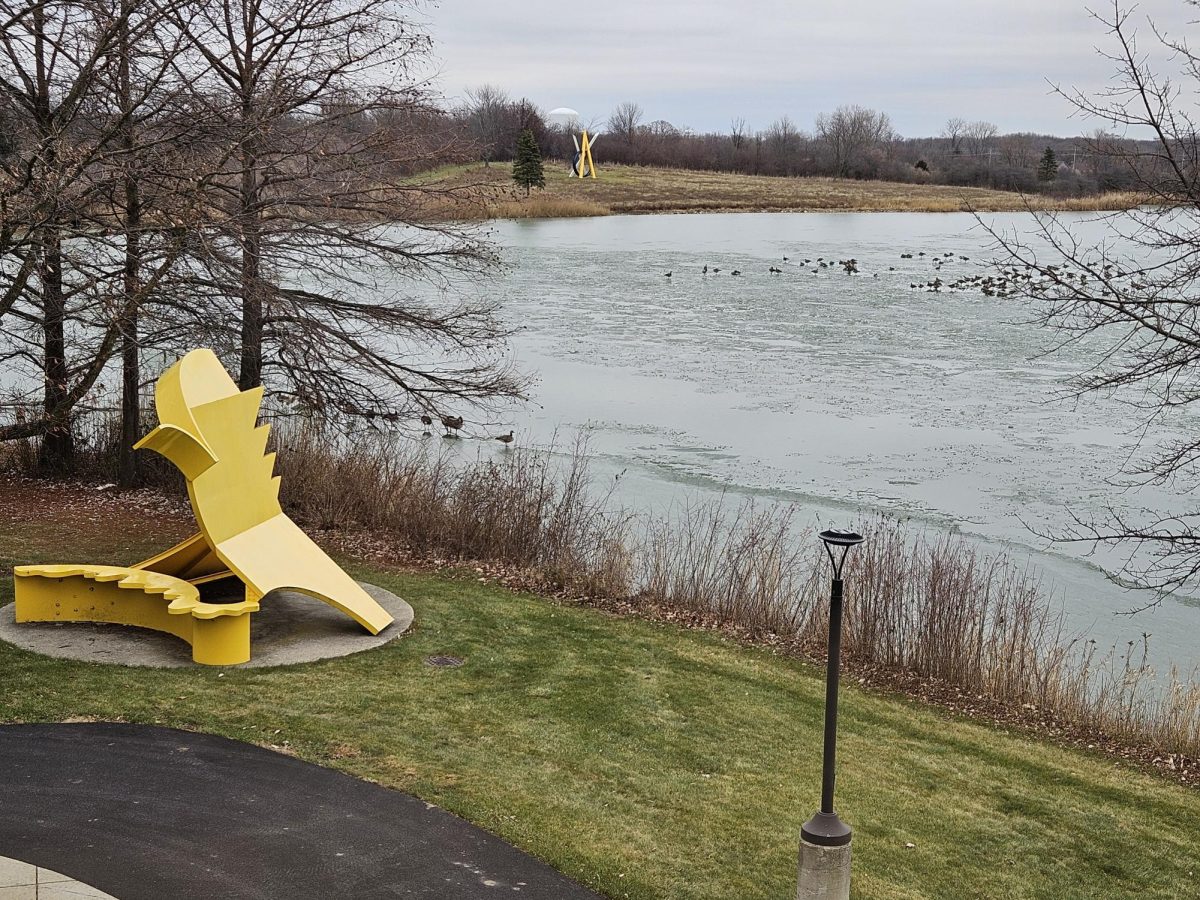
x: 291, y: 628
x: 23, y: 879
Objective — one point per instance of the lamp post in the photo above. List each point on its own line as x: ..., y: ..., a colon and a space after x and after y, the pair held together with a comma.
x: 825, y: 839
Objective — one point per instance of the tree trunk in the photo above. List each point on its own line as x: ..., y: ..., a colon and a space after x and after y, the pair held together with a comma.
x: 128, y: 474
x: 252, y: 294
x: 57, y: 449
x: 57, y: 454
x: 131, y: 380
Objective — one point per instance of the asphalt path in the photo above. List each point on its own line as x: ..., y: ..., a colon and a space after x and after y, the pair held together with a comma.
x: 148, y: 813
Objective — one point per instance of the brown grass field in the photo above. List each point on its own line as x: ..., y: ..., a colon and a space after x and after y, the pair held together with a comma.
x: 637, y: 189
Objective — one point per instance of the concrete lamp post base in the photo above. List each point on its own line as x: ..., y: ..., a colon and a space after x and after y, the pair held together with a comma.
x: 824, y: 872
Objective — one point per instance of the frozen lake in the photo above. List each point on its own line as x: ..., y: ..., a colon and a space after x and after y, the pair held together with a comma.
x: 846, y: 394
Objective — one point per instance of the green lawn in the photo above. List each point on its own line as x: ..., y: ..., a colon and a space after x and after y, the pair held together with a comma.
x: 648, y: 761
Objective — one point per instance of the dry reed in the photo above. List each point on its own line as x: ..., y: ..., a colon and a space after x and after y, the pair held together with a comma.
x: 930, y: 607
x: 542, y: 206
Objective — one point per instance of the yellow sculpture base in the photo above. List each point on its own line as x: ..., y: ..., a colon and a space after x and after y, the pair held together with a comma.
x: 218, y: 632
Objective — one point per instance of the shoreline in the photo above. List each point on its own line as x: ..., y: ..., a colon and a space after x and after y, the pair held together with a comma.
x: 380, y: 551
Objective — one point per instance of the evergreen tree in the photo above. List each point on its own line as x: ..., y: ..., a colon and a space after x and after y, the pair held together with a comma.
x: 1048, y: 167
x: 527, y: 170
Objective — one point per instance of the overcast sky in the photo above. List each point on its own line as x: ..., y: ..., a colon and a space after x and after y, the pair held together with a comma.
x: 699, y: 63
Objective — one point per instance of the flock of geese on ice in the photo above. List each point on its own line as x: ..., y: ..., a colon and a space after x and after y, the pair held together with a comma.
x: 1007, y: 281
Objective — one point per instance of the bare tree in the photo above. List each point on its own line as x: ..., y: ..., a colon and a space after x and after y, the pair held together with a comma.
x: 783, y: 138
x: 95, y: 239
x: 51, y: 297
x: 143, y: 216
x: 849, y: 132
x: 737, y: 132
x: 488, y: 112
x: 312, y: 249
x: 1130, y: 296
x: 1018, y: 151
x: 624, y: 122
x: 1102, y: 154
x: 979, y: 136
x: 953, y: 131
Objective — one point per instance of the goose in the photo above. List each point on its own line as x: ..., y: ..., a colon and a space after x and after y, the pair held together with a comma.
x: 505, y: 439
x: 426, y: 421
x: 667, y: 275
x: 736, y: 272
x: 452, y: 424
x: 705, y: 271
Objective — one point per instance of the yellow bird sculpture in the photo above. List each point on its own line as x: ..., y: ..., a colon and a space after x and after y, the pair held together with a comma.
x: 207, y: 428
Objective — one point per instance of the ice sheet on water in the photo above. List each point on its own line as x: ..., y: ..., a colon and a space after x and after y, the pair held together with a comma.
x: 846, y: 389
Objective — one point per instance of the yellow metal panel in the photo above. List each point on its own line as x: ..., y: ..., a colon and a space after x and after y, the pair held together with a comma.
x: 585, y: 155
x: 190, y: 455
x: 223, y: 641
x: 302, y: 566
x: 219, y: 633
x: 191, y: 559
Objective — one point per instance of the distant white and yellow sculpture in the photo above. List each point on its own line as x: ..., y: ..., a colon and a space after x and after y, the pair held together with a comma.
x: 207, y: 428
x: 567, y: 119
x: 582, y: 165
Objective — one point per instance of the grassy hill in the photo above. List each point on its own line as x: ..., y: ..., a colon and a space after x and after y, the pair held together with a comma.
x: 644, y: 760
x: 637, y: 189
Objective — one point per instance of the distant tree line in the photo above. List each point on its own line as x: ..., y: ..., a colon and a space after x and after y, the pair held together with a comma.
x: 849, y: 142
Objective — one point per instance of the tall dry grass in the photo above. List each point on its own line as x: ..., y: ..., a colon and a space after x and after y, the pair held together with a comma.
x: 527, y: 509
x: 1106, y: 202
x: 544, y: 206
x: 932, y: 607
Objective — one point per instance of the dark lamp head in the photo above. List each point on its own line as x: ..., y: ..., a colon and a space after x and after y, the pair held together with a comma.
x: 843, y: 539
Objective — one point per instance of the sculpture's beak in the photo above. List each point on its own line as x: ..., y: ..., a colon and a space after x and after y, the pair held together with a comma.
x: 190, y: 455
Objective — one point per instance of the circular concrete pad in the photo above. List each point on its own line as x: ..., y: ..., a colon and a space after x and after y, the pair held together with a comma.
x: 289, y: 628
x: 21, y: 879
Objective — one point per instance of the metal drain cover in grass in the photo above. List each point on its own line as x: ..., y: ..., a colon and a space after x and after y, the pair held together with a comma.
x: 443, y: 662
